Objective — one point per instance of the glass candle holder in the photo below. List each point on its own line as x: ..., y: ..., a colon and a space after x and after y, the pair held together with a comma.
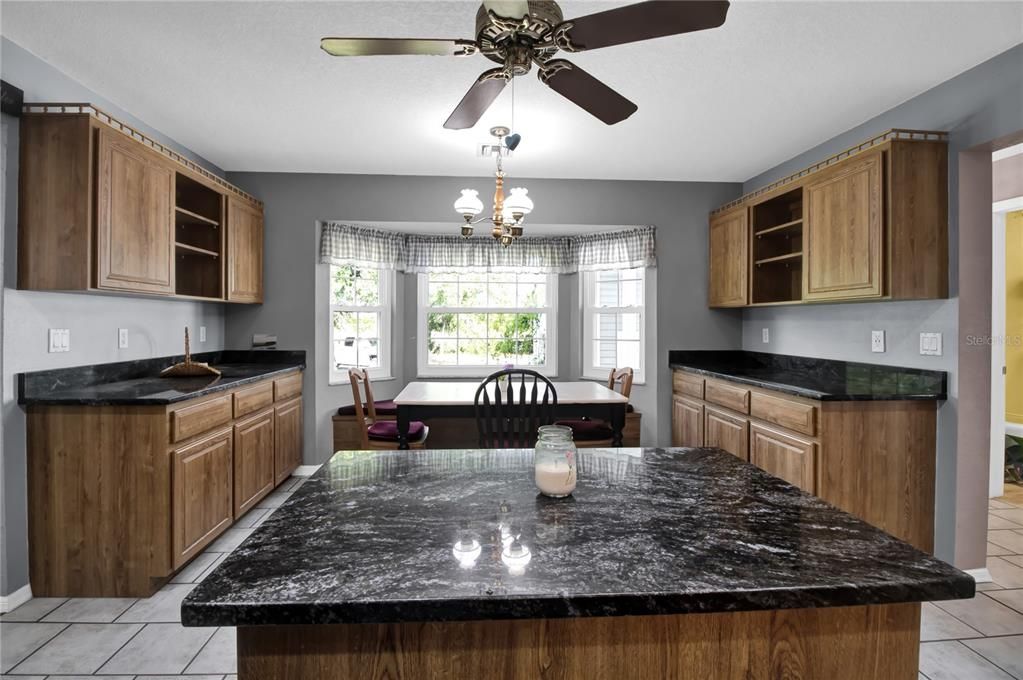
x: 555, y: 461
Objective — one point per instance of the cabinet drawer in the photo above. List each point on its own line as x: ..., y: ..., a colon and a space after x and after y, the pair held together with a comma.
x: 288, y: 386
x: 687, y: 384
x: 251, y: 399
x: 792, y: 415
x: 726, y: 394
x: 189, y: 421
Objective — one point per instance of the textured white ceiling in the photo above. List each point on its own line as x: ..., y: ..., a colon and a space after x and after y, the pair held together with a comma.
x: 245, y: 84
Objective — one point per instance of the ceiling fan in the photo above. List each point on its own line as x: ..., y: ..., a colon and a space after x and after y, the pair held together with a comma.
x: 518, y: 34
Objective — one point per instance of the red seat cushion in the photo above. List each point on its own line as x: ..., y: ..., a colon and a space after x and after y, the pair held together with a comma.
x: 384, y: 408
x: 387, y: 430
x: 588, y: 430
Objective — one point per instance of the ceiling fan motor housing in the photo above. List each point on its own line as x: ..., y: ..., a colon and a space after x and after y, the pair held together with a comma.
x: 499, y: 37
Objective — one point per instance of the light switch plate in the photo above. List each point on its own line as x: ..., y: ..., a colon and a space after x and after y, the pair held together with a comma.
x: 60, y: 340
x: 122, y: 338
x: 930, y: 344
x: 877, y: 341
x: 765, y: 334
x: 202, y: 333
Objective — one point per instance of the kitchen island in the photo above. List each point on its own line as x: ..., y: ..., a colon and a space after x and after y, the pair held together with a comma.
x: 665, y: 563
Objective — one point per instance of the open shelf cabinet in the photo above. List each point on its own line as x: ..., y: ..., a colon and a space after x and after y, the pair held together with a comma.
x: 777, y: 248
x: 198, y: 239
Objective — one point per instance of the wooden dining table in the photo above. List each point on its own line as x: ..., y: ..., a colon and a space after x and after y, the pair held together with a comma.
x: 456, y: 399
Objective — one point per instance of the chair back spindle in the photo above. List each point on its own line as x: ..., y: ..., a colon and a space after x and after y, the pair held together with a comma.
x: 508, y: 416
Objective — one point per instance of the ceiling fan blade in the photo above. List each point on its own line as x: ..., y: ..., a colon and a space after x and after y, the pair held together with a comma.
x: 364, y: 47
x: 509, y: 9
x: 477, y: 100
x: 642, y: 21
x: 579, y: 87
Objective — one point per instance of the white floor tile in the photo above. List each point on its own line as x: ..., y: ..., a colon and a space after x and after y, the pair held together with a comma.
x: 220, y: 655
x: 159, y: 648
x: 1005, y: 573
x: 274, y: 500
x: 1004, y: 652
x: 954, y: 661
x: 996, y: 522
x: 21, y: 639
x: 1010, y: 598
x: 90, y: 610
x: 164, y: 607
x: 34, y: 609
x: 192, y: 573
x: 1015, y: 559
x: 937, y: 624
x: 986, y: 615
x: 999, y: 505
x: 91, y: 677
x: 229, y: 540
x: 80, y: 648
x: 995, y: 550
x: 251, y: 518
x: 1013, y: 515
x: 1007, y: 538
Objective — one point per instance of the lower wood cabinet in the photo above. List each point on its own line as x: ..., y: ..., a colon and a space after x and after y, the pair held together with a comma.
x: 873, y: 459
x: 791, y: 458
x: 203, y: 491
x: 726, y: 431
x: 121, y: 497
x: 253, y: 460
x: 288, y: 433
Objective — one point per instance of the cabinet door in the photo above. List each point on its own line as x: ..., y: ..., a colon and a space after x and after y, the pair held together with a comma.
x: 844, y: 235
x: 253, y: 460
x: 725, y: 431
x: 134, y: 219
x: 288, y: 431
x: 202, y: 494
x: 686, y: 422
x: 244, y: 252
x: 791, y: 458
x: 728, y: 266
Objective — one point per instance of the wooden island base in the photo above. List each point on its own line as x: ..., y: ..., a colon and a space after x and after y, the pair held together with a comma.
x: 876, y: 642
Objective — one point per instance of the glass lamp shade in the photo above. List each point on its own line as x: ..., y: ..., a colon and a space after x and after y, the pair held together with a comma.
x: 519, y: 204
x: 469, y: 203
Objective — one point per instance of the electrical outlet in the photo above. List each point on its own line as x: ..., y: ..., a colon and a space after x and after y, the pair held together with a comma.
x: 765, y: 334
x: 876, y: 341
x: 202, y: 333
x: 930, y: 344
x: 122, y: 338
x: 60, y: 340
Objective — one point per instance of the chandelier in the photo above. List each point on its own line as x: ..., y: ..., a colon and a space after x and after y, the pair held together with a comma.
x: 509, y: 211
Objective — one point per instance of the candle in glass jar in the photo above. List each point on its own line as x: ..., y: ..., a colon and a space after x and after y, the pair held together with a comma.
x: 555, y: 477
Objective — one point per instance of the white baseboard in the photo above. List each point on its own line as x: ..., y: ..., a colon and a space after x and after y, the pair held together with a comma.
x: 15, y: 599
x: 1015, y: 429
x: 306, y: 470
x: 981, y: 575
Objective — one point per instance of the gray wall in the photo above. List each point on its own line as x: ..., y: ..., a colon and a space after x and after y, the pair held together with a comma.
x: 296, y: 290
x: 977, y: 106
x: 154, y: 326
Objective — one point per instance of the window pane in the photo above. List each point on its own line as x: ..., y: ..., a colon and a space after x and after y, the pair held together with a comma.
x: 628, y: 354
x: 501, y: 294
x: 441, y: 326
x: 501, y: 326
x: 606, y: 294
x: 605, y: 326
x: 472, y: 352
x: 630, y: 274
x: 631, y: 294
x: 628, y: 326
x: 443, y: 294
x: 472, y: 294
x: 532, y: 295
x: 443, y: 352
x: 605, y: 353
x: 345, y: 324
x: 472, y: 325
x: 342, y: 285
x: 532, y: 353
x: 502, y: 352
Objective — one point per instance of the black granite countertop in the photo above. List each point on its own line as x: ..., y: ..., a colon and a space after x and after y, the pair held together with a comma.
x: 138, y: 382
x: 369, y: 538
x: 821, y: 379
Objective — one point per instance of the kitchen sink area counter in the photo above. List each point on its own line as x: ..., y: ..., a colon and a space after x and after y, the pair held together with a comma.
x: 660, y: 541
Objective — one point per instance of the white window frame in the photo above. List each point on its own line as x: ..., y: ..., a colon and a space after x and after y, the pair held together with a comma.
x: 425, y: 371
x: 587, y: 281
x: 385, y: 309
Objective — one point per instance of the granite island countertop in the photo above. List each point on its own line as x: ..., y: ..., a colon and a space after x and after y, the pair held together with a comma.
x: 370, y: 537
x: 139, y: 382
x: 820, y: 379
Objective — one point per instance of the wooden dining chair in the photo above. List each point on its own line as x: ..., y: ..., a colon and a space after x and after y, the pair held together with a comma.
x: 589, y: 433
x: 379, y: 434
x: 511, y: 405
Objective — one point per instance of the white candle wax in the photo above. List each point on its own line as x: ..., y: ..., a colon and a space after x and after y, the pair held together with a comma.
x: 555, y: 478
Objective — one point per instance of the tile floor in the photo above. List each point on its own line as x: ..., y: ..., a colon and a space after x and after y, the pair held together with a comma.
x: 125, y: 639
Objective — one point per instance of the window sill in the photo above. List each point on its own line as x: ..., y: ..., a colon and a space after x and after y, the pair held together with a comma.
x: 336, y: 382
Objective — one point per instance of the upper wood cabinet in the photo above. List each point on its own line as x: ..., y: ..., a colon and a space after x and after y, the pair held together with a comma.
x: 102, y: 207
x: 134, y: 223
x: 729, y: 253
x: 244, y: 252
x: 870, y: 223
x: 844, y: 231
